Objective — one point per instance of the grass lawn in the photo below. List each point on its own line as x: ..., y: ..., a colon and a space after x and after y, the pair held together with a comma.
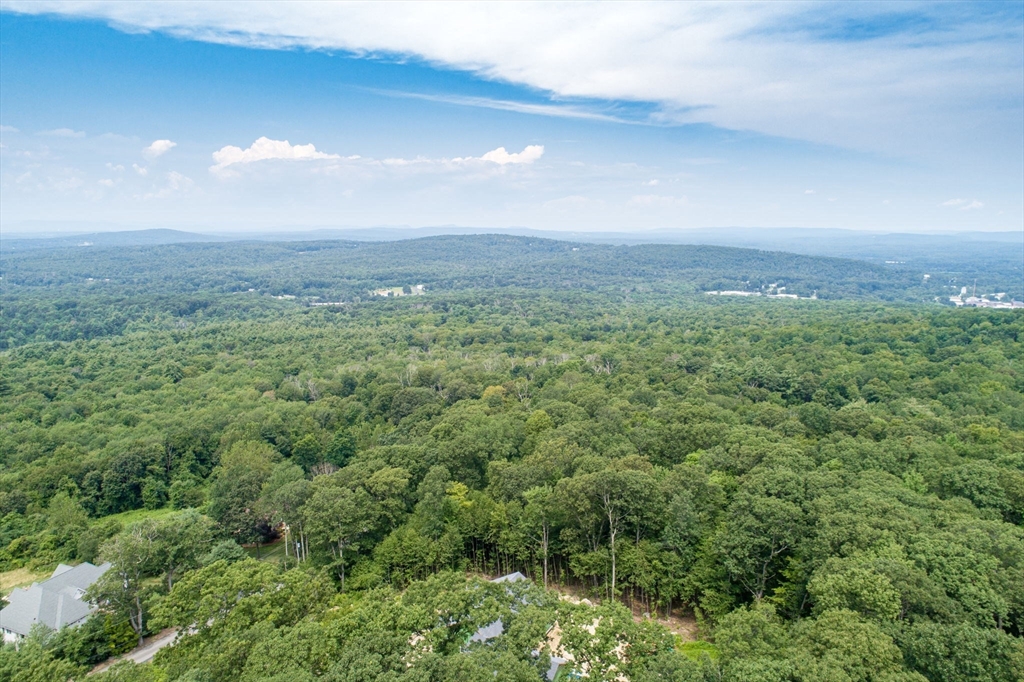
x: 20, y: 577
x: 274, y: 552
x: 136, y: 515
x: 693, y: 650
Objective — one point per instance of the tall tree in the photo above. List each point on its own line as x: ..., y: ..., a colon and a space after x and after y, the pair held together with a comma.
x: 132, y: 555
x: 338, y: 517
x: 182, y: 541
x: 538, y: 518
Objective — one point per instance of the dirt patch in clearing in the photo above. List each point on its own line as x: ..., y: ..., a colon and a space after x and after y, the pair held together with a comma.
x: 681, y: 623
x: 685, y: 626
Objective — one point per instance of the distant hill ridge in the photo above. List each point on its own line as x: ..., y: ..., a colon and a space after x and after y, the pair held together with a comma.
x: 983, y: 255
x: 92, y: 292
x: 343, y: 270
x: 153, y: 236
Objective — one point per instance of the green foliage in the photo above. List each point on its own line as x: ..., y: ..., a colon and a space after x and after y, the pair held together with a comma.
x: 96, y: 640
x: 227, y: 551
x: 341, y: 448
x: 31, y: 661
x: 695, y: 651
x: 307, y: 452
x: 120, y: 591
x: 835, y: 490
x: 154, y: 493
x: 944, y: 653
x: 854, y: 588
x: 185, y: 492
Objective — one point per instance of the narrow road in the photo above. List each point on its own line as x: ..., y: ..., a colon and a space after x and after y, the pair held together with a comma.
x: 144, y: 653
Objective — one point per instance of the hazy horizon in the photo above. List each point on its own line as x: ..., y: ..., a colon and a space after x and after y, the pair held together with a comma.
x: 49, y: 229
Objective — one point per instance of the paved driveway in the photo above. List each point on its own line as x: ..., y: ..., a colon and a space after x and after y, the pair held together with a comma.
x: 144, y: 653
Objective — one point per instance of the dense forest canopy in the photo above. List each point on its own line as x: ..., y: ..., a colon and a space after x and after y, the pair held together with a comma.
x: 825, y: 490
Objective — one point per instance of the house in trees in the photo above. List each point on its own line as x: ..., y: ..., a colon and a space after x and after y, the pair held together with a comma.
x: 56, y: 602
x: 495, y: 629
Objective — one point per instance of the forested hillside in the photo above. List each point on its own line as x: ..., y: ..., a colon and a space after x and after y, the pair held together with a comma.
x: 71, y: 293
x: 830, y: 490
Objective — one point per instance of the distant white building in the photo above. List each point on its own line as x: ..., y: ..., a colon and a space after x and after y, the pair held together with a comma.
x: 56, y: 602
x: 414, y: 290
x: 733, y: 293
x: 978, y: 302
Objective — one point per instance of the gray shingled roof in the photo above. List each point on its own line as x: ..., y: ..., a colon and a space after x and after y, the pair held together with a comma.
x: 56, y: 602
x: 510, y: 578
x: 497, y: 627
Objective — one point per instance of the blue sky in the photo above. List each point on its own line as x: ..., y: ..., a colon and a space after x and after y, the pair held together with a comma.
x: 221, y: 117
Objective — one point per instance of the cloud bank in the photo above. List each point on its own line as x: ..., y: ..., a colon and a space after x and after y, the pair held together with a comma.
x: 502, y: 157
x: 265, y: 149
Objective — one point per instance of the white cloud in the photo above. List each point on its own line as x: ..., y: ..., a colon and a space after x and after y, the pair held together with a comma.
x: 8, y: 129
x: 808, y: 191
x: 141, y: 170
x: 784, y: 69
x: 265, y: 149
x: 107, y: 182
x: 62, y: 132
x: 652, y: 183
x: 158, y: 148
x: 963, y: 204
x: 499, y: 156
x: 117, y: 169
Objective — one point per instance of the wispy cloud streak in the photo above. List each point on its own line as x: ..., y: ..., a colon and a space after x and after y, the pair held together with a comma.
x: 860, y: 75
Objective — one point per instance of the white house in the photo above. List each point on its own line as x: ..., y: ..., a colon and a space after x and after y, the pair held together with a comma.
x: 56, y: 602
